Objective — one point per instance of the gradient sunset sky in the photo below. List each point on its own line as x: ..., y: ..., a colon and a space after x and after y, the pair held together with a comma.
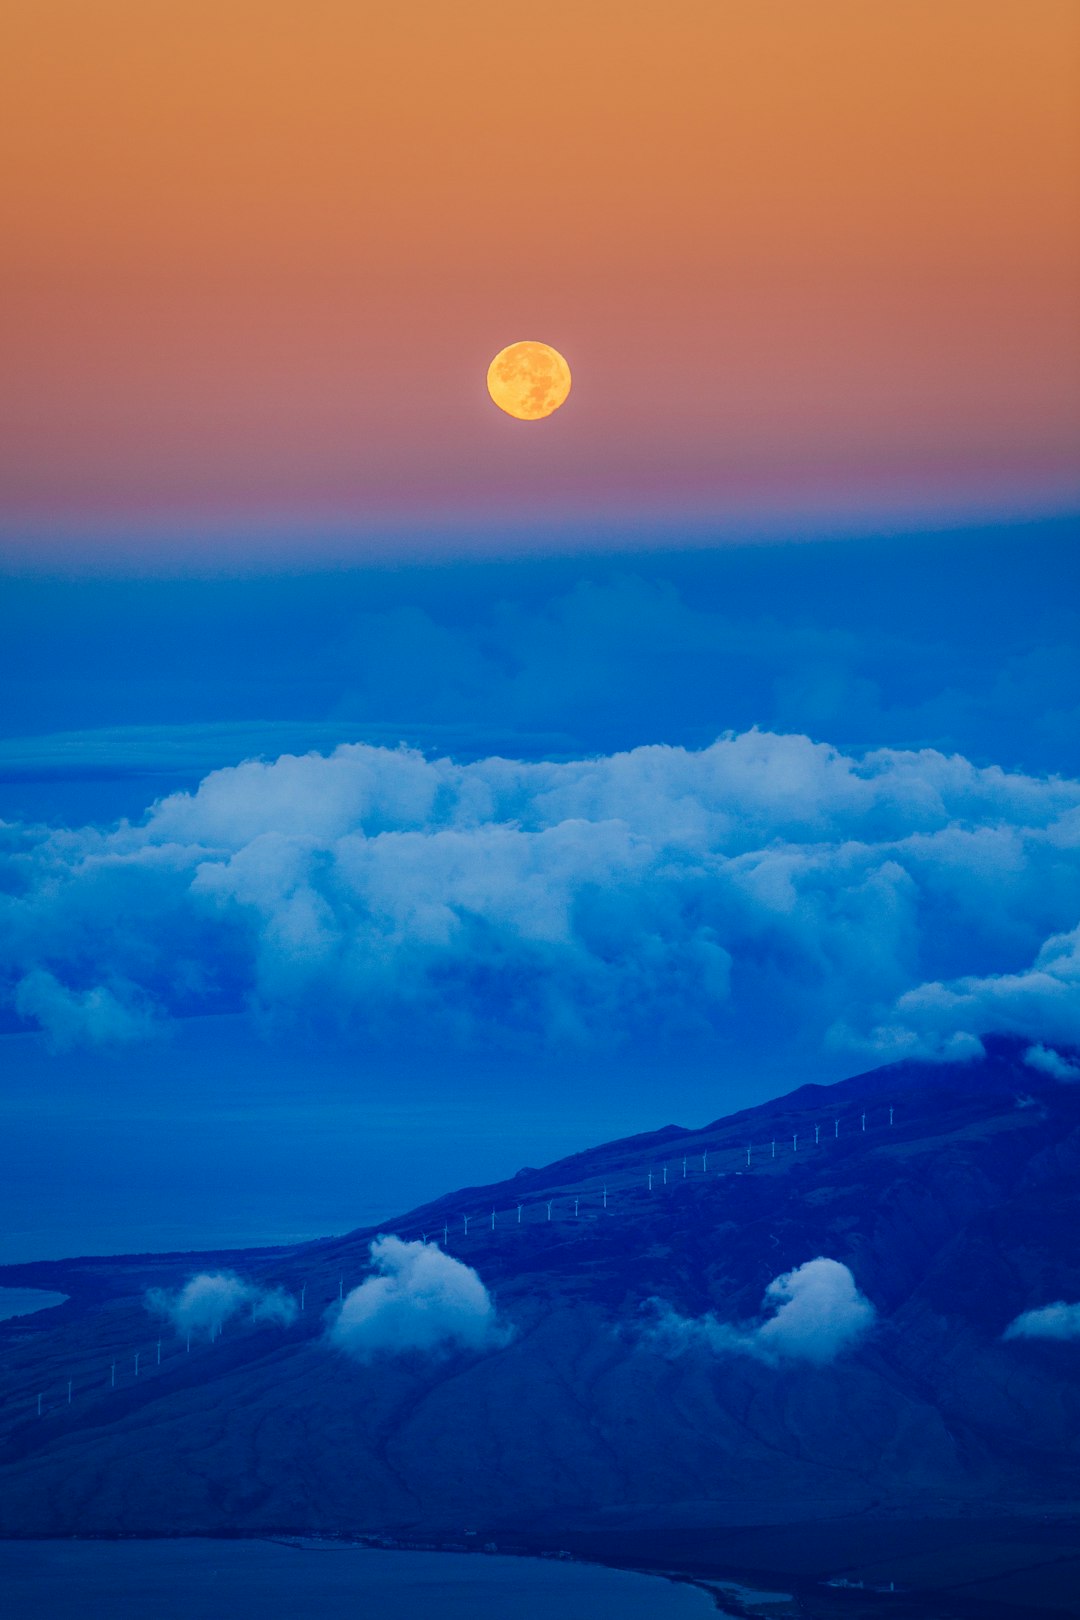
x: 804, y: 260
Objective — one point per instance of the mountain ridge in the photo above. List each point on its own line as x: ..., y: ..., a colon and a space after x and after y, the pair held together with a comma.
x: 952, y: 1221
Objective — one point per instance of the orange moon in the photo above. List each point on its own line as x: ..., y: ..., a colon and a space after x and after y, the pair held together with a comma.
x: 528, y: 380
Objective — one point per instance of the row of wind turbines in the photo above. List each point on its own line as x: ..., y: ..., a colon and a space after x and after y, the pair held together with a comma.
x: 123, y: 1371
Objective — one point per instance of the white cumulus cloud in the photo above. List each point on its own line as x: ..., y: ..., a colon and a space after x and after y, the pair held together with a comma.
x: 1056, y: 1321
x: 1047, y: 1061
x: 895, y: 902
x: 420, y: 1300
x: 813, y: 1314
x: 208, y: 1300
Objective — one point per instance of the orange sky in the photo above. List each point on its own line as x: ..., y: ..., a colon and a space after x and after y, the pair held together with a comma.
x: 258, y: 253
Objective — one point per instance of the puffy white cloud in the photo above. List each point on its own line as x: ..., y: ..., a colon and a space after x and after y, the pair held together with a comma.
x: 209, y: 1299
x: 420, y: 1301
x: 903, y: 901
x: 1047, y: 1061
x: 817, y: 1312
x: 1057, y: 1321
x: 73, y: 1018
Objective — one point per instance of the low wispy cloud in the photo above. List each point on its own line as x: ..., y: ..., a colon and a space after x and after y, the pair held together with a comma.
x: 1056, y: 1321
x: 1047, y: 1061
x: 811, y: 1314
x: 891, y: 903
x: 208, y: 1300
x: 420, y: 1300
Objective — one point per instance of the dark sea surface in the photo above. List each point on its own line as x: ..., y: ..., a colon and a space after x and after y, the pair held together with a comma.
x: 25, y: 1301
x: 231, y: 1580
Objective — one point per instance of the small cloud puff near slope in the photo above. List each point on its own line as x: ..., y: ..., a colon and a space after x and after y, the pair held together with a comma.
x: 893, y: 903
x: 817, y: 1313
x: 208, y: 1300
x: 1056, y: 1321
x: 420, y: 1301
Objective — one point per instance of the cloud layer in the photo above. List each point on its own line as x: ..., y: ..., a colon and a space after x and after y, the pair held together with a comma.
x: 208, y: 1300
x: 1057, y: 1321
x: 420, y: 1301
x: 817, y: 1312
x: 898, y: 902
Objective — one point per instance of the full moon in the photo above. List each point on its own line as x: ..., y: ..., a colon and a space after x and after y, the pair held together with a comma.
x: 528, y: 380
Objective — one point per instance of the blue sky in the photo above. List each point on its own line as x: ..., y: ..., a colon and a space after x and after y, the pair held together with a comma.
x: 369, y: 955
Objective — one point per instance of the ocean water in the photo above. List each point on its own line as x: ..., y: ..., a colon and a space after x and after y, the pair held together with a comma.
x: 232, y: 1580
x: 25, y: 1301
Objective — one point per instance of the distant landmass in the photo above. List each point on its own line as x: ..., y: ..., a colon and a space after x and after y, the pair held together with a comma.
x: 920, y: 1450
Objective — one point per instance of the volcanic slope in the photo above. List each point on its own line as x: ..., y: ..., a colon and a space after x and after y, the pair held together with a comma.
x: 954, y: 1218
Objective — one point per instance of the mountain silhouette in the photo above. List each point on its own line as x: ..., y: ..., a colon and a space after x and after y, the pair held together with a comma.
x: 953, y: 1219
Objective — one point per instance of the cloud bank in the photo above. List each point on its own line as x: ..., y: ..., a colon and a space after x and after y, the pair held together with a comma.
x: 421, y: 1301
x: 1057, y: 1321
x: 817, y: 1314
x: 894, y: 903
x: 208, y: 1300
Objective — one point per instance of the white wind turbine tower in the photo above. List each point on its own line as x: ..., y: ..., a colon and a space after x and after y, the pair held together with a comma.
x: 774, y: 1147
x: 445, y: 1234
x: 493, y: 1220
x: 864, y: 1122
x: 549, y: 1203
x: 136, y: 1364
x: 519, y: 1215
x: 836, y: 1127
x: 684, y: 1167
x: 748, y: 1155
x: 890, y: 1116
x: 704, y: 1162
x: 817, y: 1134
x: 341, y: 1282
x: 650, y: 1181
x: 112, y: 1379
x: 795, y: 1142
x: 303, y: 1296
x: 159, y: 1352
x: 465, y: 1218
x: 576, y: 1202
x: 665, y: 1175
x: 605, y: 1195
